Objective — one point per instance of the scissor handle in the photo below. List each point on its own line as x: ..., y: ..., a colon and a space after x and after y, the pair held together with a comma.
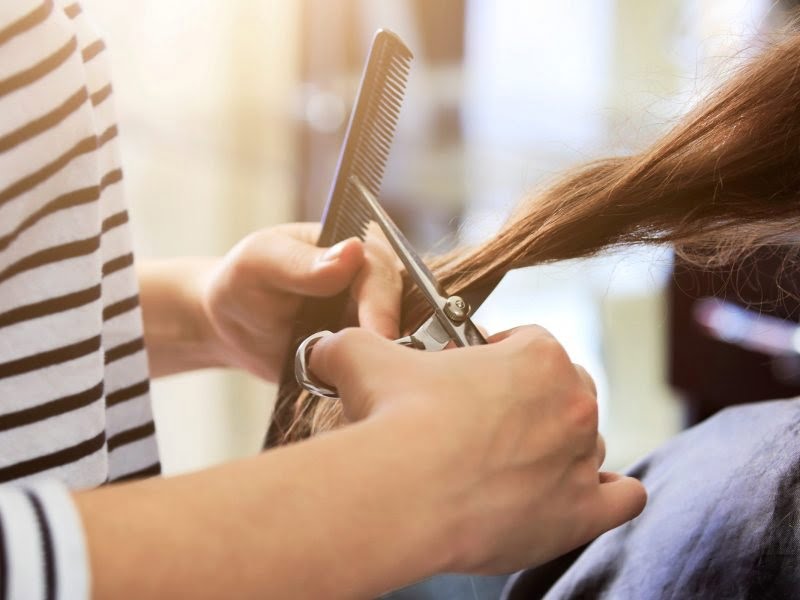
x: 309, y: 381
x: 304, y: 375
x: 428, y: 339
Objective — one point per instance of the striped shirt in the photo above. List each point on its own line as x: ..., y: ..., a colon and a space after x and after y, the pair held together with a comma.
x: 74, y: 404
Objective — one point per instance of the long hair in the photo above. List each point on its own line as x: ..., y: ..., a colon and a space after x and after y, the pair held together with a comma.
x: 724, y: 180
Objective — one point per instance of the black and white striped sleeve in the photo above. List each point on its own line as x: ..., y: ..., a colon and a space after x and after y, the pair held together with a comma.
x: 42, y: 549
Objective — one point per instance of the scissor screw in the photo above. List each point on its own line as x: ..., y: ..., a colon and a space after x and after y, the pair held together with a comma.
x: 456, y: 309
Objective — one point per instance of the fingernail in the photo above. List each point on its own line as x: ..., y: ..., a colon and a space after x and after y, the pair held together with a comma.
x: 333, y: 253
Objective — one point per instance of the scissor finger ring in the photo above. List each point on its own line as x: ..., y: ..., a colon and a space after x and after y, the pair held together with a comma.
x: 304, y: 375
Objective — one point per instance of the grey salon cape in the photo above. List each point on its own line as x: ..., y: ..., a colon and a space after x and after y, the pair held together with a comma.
x: 722, y: 521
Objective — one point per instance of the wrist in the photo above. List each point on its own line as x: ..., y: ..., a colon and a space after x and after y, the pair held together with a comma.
x: 360, y: 525
x: 387, y: 524
x: 422, y: 472
x: 445, y: 469
x: 178, y: 333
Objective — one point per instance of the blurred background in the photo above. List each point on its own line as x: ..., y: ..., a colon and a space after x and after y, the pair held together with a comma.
x: 232, y: 114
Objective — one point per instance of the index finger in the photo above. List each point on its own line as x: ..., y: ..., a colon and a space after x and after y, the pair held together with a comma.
x: 378, y: 287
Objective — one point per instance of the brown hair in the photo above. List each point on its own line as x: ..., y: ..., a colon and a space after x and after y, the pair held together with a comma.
x: 724, y: 180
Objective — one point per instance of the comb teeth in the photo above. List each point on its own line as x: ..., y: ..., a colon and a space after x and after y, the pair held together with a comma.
x: 369, y: 136
x: 364, y: 153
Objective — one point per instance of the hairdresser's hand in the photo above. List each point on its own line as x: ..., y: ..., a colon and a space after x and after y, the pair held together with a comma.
x: 253, y: 294
x: 503, y: 437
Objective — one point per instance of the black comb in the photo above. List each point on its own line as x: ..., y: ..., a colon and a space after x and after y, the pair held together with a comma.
x: 365, y: 150
x: 368, y: 139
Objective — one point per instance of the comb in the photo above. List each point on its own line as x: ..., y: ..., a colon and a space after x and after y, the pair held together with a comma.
x: 368, y: 139
x: 365, y: 150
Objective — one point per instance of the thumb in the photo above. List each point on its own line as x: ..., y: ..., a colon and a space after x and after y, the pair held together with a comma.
x: 332, y: 269
x: 298, y: 267
x: 358, y: 363
x: 621, y: 499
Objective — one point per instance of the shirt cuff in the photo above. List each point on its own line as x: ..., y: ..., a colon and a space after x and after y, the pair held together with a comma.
x: 42, y: 546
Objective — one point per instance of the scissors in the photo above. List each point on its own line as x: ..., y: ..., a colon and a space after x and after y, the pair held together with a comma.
x: 450, y: 321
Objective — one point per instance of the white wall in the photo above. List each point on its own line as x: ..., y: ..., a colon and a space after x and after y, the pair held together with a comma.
x: 204, y: 90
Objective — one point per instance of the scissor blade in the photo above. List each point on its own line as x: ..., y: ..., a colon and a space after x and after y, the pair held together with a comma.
x: 463, y: 333
x: 476, y: 296
x: 417, y: 269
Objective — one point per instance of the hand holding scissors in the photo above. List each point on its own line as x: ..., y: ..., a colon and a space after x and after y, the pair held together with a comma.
x: 450, y: 321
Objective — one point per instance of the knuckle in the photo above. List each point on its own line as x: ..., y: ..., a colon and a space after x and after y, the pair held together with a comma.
x: 541, y: 332
x: 586, y: 378
x: 582, y: 372
x: 241, y: 263
x: 378, y: 244
x: 530, y: 335
x: 296, y: 260
x: 385, y: 274
x: 252, y: 242
x: 545, y: 351
x: 582, y: 416
x: 239, y: 268
x: 542, y: 343
x: 552, y: 349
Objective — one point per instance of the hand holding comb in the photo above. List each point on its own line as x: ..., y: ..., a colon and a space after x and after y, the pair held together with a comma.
x: 364, y: 153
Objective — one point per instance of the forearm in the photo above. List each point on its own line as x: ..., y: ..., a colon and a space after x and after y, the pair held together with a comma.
x: 177, y: 332
x: 312, y: 520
